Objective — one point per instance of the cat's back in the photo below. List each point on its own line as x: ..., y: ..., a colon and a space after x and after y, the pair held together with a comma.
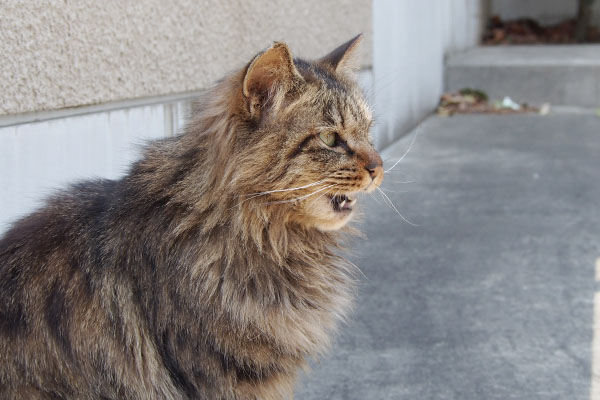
x: 59, y: 224
x: 47, y: 280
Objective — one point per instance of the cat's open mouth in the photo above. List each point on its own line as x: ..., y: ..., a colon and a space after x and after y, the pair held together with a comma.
x: 341, y: 203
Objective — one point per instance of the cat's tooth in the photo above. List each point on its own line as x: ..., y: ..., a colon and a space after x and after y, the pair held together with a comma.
x: 342, y: 203
x: 351, y: 202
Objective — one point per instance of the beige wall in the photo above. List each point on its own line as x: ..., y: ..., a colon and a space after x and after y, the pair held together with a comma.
x: 59, y: 54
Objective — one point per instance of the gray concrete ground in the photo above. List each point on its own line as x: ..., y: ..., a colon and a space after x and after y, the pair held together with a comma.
x: 491, y: 296
x: 563, y: 75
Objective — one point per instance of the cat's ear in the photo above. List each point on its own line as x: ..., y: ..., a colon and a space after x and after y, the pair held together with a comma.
x: 342, y: 58
x: 272, y: 68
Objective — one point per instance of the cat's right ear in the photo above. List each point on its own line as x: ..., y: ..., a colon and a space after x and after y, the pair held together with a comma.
x: 343, y: 58
x: 270, y: 70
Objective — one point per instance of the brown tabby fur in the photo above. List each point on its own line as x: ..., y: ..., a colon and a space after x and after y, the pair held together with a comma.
x: 179, y: 281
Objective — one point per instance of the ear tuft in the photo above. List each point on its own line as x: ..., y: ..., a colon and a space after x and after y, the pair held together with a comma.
x: 340, y: 59
x: 273, y: 66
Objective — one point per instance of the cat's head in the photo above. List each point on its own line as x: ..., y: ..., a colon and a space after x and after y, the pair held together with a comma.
x: 305, y: 146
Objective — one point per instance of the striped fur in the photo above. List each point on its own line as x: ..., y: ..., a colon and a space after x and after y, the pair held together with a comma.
x: 183, y: 280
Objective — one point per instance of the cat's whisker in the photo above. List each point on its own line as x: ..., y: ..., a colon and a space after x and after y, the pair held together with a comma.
x: 407, y: 151
x: 332, y: 197
x: 384, y: 201
x: 301, y: 197
x: 359, y: 270
x: 395, y: 191
x: 400, y: 181
x: 324, y: 194
x: 374, y: 198
x: 395, y: 209
x: 282, y: 190
x: 259, y: 194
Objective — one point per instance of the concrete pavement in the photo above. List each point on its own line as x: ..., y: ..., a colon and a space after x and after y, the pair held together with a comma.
x: 492, y: 295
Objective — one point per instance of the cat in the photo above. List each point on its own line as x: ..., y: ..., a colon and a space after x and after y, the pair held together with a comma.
x: 213, y: 269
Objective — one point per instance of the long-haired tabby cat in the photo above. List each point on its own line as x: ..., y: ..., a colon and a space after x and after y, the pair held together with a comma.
x: 212, y: 269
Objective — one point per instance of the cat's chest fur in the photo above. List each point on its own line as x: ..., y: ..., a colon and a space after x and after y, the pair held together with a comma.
x: 249, y: 320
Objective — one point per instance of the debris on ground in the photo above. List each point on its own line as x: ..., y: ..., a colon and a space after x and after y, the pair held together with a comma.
x: 529, y: 31
x: 507, y: 102
x: 545, y: 109
x: 470, y: 101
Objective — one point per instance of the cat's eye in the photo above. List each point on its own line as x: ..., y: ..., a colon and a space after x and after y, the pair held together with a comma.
x: 328, y: 138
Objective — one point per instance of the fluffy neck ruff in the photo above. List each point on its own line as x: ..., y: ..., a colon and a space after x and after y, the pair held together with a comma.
x: 240, y: 258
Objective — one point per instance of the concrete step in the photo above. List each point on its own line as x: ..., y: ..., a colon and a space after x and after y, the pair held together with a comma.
x: 560, y: 75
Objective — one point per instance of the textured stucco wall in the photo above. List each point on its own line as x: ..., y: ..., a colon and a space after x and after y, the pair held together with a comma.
x: 58, y: 54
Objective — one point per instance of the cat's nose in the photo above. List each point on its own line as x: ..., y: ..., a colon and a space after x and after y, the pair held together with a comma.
x: 373, y: 163
x: 374, y: 169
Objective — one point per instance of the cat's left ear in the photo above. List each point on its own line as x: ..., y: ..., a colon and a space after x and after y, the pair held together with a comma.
x: 270, y: 70
x: 342, y: 58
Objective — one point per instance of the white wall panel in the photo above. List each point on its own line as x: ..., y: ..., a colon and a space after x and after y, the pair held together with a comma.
x: 411, y: 39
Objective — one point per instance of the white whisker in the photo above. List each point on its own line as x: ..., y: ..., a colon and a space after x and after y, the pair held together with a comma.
x: 374, y: 198
x: 384, y: 200
x: 407, y: 151
x: 400, y: 181
x: 255, y: 195
x: 395, y: 191
x: 301, y: 197
x: 395, y: 209
x: 283, y: 190
x: 332, y: 197
x: 324, y: 194
x: 359, y: 270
